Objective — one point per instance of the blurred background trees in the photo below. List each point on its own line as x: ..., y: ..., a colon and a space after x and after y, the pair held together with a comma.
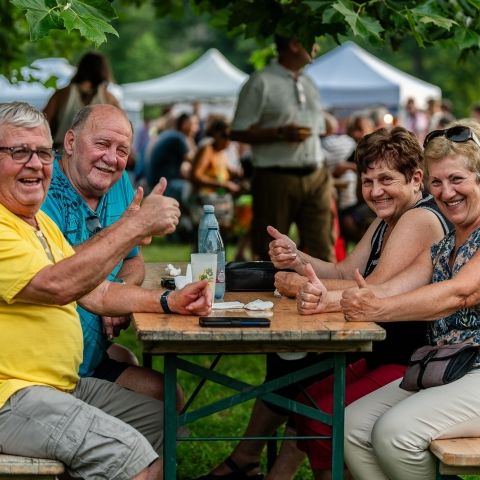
x: 437, y: 41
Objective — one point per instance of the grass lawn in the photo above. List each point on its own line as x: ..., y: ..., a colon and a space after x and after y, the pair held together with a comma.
x: 197, y: 458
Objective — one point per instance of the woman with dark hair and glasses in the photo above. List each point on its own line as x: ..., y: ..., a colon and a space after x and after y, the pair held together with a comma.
x: 389, y: 431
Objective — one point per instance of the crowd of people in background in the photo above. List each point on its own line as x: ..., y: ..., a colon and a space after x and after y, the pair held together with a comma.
x: 203, y: 165
x: 358, y: 178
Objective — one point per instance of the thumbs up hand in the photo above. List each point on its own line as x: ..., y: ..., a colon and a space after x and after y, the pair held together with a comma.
x: 282, y: 250
x: 137, y: 200
x: 361, y: 282
x: 312, y: 296
x: 360, y: 304
x: 160, y: 214
x: 288, y: 283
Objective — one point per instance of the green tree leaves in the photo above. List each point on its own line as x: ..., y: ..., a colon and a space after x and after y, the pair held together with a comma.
x: 361, y: 25
x: 374, y: 22
x: 91, y: 17
x: 40, y: 17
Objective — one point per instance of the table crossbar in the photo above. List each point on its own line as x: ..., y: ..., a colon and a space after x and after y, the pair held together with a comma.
x: 173, y: 421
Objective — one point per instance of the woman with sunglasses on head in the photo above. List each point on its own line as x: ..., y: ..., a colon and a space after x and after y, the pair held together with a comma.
x: 390, y: 165
x: 390, y: 168
x: 388, y: 432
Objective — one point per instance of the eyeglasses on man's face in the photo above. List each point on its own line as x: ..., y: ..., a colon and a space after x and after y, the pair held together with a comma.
x: 23, y: 155
x: 457, y: 134
x: 93, y: 224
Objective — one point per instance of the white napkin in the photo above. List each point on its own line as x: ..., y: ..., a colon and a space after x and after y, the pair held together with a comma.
x: 259, y: 305
x: 172, y: 271
x: 227, y: 305
x: 182, y: 280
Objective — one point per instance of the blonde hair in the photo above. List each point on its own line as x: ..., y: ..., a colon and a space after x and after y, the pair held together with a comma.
x: 440, y: 147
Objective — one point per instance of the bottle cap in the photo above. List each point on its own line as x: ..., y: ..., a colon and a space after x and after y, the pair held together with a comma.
x: 208, y: 208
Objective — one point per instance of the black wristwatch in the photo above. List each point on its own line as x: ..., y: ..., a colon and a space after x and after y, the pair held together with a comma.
x: 164, y: 301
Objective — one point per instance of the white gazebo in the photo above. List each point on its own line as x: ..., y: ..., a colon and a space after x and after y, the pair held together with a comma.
x: 35, y: 93
x: 349, y: 77
x: 211, y: 78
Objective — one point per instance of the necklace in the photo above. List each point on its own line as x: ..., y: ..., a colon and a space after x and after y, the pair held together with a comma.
x: 45, y: 245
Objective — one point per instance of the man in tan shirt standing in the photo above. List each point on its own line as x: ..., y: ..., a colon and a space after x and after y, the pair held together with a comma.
x: 279, y: 114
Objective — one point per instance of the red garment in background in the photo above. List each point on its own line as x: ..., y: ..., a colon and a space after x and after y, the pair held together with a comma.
x: 359, y: 382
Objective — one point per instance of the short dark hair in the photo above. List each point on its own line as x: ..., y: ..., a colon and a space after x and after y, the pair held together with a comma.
x: 216, y: 125
x: 282, y: 42
x: 181, y: 119
x: 398, y: 148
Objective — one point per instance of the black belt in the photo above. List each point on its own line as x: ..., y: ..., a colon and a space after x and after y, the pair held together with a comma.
x: 299, y: 171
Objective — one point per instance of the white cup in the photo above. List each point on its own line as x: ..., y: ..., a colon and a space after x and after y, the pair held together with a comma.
x: 204, y: 267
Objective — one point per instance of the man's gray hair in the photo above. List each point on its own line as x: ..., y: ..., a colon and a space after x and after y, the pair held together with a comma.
x: 21, y: 114
x: 82, y: 115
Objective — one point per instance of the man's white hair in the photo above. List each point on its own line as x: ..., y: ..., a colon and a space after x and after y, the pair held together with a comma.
x: 21, y: 114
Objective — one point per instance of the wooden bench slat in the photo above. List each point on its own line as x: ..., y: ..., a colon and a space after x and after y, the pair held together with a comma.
x: 457, y: 451
x: 16, y: 465
x: 14, y: 476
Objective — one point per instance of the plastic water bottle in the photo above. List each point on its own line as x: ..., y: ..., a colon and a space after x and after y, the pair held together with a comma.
x: 208, y: 220
x: 213, y: 244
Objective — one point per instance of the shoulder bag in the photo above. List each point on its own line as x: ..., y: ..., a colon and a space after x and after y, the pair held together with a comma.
x: 431, y: 366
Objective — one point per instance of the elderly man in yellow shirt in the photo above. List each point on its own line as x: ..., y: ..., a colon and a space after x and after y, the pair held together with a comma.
x: 97, y: 428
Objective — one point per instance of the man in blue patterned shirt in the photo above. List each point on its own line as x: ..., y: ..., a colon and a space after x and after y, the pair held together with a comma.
x: 90, y: 190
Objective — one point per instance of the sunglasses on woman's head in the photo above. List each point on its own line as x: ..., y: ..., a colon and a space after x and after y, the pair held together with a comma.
x: 457, y: 134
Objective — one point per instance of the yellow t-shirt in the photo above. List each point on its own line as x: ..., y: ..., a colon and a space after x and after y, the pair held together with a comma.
x: 39, y: 344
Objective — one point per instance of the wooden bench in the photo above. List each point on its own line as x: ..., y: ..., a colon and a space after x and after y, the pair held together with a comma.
x: 25, y: 468
x: 457, y: 456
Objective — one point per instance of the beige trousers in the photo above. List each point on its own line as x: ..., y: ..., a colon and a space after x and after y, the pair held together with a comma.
x: 387, y: 433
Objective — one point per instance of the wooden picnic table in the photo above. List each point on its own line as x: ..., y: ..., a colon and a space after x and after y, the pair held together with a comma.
x: 175, y: 335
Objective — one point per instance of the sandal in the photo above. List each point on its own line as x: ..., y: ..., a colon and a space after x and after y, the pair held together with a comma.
x: 237, y: 473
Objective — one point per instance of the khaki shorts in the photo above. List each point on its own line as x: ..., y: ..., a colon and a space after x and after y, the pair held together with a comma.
x: 95, y: 431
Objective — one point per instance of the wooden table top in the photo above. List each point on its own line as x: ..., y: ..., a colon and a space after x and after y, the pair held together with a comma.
x: 289, y: 331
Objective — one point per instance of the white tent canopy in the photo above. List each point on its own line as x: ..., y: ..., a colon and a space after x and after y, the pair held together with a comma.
x: 350, y: 77
x: 35, y: 93
x: 210, y: 78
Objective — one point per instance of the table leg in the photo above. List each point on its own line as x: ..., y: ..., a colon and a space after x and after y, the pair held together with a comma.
x: 338, y: 415
x: 272, y: 451
x: 147, y: 360
x: 170, y: 417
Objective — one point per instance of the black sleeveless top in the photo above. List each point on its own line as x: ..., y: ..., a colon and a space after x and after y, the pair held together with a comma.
x: 402, y: 337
